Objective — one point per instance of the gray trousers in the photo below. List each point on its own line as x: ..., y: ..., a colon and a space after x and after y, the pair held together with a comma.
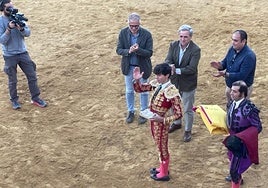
x: 28, y: 67
x: 188, y: 99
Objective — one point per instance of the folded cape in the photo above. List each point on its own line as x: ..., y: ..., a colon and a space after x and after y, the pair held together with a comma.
x: 250, y: 139
x: 214, y: 117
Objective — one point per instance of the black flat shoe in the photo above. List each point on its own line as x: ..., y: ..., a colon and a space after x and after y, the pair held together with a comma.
x: 154, y: 171
x: 173, y: 127
x: 229, y: 179
x: 187, y: 137
x: 165, y: 178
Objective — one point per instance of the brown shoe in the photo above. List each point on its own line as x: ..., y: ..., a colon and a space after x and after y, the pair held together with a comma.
x: 187, y: 137
x: 173, y: 127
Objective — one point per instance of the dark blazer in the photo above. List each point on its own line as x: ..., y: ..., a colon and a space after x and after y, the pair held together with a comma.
x: 187, y: 80
x: 144, y: 52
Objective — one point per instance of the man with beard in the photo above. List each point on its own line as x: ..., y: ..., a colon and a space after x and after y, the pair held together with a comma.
x: 15, y: 54
x: 244, y: 125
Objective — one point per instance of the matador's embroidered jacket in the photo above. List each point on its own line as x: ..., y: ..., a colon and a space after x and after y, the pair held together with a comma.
x: 167, y: 98
x: 166, y: 103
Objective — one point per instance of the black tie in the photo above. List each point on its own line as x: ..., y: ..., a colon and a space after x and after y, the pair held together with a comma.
x: 156, y: 92
x: 231, y: 111
x: 233, y: 108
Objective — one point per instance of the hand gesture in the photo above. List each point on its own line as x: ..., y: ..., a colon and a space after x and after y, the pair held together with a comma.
x: 11, y: 25
x: 219, y: 73
x: 134, y: 48
x: 157, y: 118
x: 137, y: 74
x: 216, y: 65
x: 19, y: 27
x: 173, y: 69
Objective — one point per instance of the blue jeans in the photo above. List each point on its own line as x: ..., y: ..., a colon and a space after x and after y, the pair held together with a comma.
x: 130, y: 93
x: 188, y: 99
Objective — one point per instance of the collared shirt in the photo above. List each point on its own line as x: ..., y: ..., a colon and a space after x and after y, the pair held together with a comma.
x: 165, y: 85
x: 133, y: 56
x: 240, y: 66
x: 160, y: 87
x: 237, y: 103
x: 178, y: 70
x: 234, y: 105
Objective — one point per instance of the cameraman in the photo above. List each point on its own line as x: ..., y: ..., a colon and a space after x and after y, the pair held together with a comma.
x: 15, y: 53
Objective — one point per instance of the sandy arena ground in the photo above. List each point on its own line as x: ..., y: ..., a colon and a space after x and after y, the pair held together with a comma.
x: 81, y: 140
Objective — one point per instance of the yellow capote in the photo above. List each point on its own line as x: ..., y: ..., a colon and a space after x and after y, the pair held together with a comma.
x: 214, y: 117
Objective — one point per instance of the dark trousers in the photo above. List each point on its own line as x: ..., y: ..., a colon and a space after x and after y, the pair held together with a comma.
x: 24, y: 61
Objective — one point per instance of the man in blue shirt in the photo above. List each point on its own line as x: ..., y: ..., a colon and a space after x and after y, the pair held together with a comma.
x: 238, y: 64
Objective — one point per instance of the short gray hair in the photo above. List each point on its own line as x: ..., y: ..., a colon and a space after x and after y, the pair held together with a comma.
x: 134, y: 17
x: 186, y: 28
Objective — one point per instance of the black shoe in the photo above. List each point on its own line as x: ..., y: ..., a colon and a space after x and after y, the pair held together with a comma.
x: 39, y: 102
x: 173, y: 127
x: 153, y: 171
x: 229, y: 179
x: 187, y: 137
x: 141, y: 120
x: 165, y: 178
x: 16, y: 105
x: 130, y: 117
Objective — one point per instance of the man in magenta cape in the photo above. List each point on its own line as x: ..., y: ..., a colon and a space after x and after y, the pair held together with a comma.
x: 244, y: 126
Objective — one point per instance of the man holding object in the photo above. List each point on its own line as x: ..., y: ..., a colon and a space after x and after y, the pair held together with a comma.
x: 165, y: 97
x: 15, y: 54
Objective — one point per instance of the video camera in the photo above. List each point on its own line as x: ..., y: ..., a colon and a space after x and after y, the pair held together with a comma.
x: 16, y: 17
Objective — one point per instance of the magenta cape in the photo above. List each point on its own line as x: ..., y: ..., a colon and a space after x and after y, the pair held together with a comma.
x: 250, y: 138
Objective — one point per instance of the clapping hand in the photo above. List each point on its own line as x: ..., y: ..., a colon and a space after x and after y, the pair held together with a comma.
x: 173, y: 69
x: 219, y: 73
x: 215, y: 64
x: 137, y: 74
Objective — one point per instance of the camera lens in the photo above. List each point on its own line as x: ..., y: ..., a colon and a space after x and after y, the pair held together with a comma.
x: 12, y: 10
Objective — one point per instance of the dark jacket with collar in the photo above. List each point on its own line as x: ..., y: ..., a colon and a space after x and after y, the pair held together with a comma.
x: 187, y: 80
x: 144, y: 52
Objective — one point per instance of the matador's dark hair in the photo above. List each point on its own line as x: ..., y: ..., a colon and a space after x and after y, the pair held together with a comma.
x: 243, y: 88
x: 162, y: 68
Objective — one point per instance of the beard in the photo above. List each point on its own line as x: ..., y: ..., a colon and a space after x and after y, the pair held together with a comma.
x: 7, y: 14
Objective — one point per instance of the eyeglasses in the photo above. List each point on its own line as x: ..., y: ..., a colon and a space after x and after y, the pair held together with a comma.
x: 134, y: 26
